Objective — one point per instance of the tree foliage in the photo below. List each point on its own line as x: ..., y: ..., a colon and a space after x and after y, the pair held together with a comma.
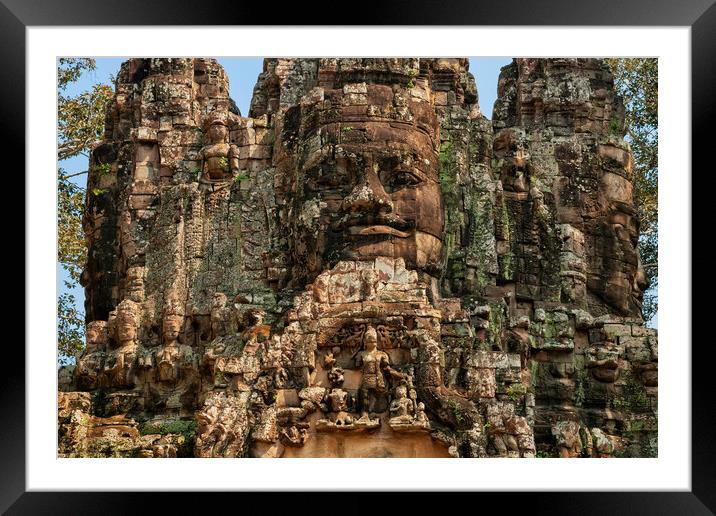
x: 80, y: 118
x: 71, y: 249
x: 70, y: 328
x: 636, y: 80
x: 80, y: 124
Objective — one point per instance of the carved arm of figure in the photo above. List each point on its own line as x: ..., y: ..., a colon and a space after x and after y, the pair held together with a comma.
x: 204, y: 163
x: 410, y: 406
x: 385, y: 366
x: 233, y: 159
x: 396, y: 374
x: 394, y: 407
x: 146, y: 361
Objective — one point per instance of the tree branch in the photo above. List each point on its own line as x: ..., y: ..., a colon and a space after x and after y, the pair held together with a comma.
x: 73, y: 175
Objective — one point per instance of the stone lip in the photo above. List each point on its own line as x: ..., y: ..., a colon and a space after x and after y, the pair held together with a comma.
x: 377, y: 230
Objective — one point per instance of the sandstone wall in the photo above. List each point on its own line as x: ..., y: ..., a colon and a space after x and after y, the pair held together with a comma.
x: 364, y: 266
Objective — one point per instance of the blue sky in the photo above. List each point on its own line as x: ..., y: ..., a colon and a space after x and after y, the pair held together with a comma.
x: 242, y: 73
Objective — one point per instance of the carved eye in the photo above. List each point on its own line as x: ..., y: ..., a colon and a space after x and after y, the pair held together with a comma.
x: 402, y: 179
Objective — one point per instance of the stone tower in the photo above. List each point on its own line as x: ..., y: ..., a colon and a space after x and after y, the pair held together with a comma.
x: 365, y: 266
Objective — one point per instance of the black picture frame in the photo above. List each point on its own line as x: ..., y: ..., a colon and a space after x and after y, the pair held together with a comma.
x: 700, y: 15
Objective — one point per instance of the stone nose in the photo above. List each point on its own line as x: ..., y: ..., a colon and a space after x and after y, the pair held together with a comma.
x: 640, y: 278
x: 368, y: 195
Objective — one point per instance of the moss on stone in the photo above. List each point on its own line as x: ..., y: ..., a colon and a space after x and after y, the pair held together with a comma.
x: 633, y: 397
x: 580, y: 384
x: 496, y: 325
x: 183, y: 427
x: 186, y: 429
x: 516, y: 391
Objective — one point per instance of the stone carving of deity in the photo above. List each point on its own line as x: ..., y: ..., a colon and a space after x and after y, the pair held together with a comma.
x: 173, y: 356
x: 89, y: 371
x: 219, y: 158
x: 402, y: 407
x: 119, y: 366
x: 373, y: 364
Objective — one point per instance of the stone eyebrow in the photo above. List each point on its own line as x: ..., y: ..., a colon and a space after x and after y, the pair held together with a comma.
x: 417, y: 168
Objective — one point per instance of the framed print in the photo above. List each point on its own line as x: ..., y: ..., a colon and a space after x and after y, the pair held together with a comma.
x: 362, y: 257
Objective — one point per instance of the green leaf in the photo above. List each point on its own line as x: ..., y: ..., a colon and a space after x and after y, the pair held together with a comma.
x: 70, y: 328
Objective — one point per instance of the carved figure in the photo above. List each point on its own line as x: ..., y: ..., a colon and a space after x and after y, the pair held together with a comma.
x: 373, y: 363
x: 168, y: 356
x: 293, y: 436
x: 336, y: 376
x: 566, y: 435
x: 219, y: 158
x: 337, y: 403
x: 401, y: 408
x: 222, y: 426
x: 89, y: 372
x: 120, y: 363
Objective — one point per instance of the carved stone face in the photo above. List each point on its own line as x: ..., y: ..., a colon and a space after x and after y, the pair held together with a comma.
x: 172, y: 327
x: 623, y: 276
x: 126, y: 324
x: 370, y: 339
x: 217, y: 133
x: 622, y: 288
x: 401, y: 392
x: 96, y: 334
x: 367, y: 188
x: 135, y: 283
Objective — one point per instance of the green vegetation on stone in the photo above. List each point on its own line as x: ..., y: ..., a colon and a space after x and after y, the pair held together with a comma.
x: 516, y: 391
x: 459, y: 417
x: 580, y: 382
x: 633, y: 396
x: 102, y: 168
x: 186, y: 429
x: 183, y: 427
